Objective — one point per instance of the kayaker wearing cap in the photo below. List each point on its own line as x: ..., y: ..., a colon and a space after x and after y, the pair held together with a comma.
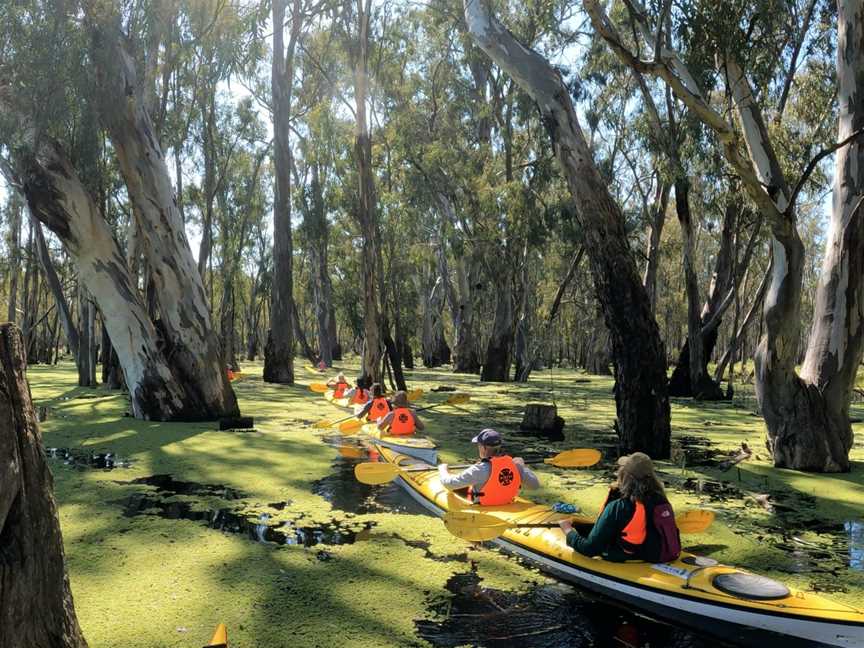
x: 636, y: 523
x: 402, y: 421
x: 496, y: 479
x: 339, y: 385
x: 378, y: 407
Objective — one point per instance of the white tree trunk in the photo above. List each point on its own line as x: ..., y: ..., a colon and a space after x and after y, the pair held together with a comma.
x: 193, y: 345
x: 58, y: 199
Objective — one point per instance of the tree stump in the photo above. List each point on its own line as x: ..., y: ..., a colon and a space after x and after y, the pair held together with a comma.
x: 36, y: 609
x: 543, y: 419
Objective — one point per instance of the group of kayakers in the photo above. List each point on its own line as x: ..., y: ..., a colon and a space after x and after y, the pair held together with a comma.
x: 636, y: 521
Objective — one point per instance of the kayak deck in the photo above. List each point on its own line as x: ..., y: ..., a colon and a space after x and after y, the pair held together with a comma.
x: 412, y: 446
x: 338, y: 402
x: 679, y: 590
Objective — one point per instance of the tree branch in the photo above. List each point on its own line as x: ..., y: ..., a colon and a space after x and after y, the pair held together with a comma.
x: 811, y: 166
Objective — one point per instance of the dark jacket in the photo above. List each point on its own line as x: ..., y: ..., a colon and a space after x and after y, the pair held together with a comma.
x: 604, y: 538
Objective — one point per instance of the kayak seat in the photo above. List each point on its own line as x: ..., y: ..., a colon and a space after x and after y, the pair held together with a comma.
x: 750, y: 586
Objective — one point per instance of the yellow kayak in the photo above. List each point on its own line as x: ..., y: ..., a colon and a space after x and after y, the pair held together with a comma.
x: 699, y: 592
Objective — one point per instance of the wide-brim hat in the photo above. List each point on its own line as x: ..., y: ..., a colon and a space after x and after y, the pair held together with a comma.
x: 638, y: 465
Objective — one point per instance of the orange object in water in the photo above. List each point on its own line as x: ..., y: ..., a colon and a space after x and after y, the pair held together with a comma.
x: 503, y: 484
x: 230, y: 374
x: 402, y: 423
x: 380, y: 407
x: 220, y: 638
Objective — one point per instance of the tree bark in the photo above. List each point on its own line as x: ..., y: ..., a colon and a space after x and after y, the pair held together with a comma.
x: 192, y: 345
x: 700, y: 384
x: 56, y: 288
x: 366, y: 209
x: 279, y: 352
x: 15, y: 252
x: 661, y: 202
x: 807, y: 416
x: 640, y: 359
x: 322, y: 288
x: 499, y: 349
x: 37, y: 610
x: 459, y: 297
x: 58, y: 199
x: 433, y: 346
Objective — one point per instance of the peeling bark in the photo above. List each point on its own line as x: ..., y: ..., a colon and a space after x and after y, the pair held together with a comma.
x: 179, y: 290
x: 57, y: 198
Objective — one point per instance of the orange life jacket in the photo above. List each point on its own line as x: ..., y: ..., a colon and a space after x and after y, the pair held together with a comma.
x: 360, y: 396
x: 503, y: 484
x: 380, y: 407
x: 402, y: 423
x: 633, y: 535
x: 339, y: 391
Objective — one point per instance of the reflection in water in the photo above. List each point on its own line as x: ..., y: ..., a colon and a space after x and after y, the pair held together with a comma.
x: 547, y: 616
x: 855, y: 529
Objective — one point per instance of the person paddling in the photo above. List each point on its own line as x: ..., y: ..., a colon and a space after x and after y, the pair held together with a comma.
x: 378, y: 407
x: 339, y: 385
x: 496, y: 479
x: 402, y: 421
x: 636, y: 522
x: 358, y: 395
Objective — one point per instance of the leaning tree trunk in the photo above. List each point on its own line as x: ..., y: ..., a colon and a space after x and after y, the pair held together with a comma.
x: 37, y: 610
x: 57, y: 198
x: 192, y: 344
x: 637, y: 350
x: 433, y: 346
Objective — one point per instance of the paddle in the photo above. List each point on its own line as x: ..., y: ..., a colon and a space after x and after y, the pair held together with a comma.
x: 381, y: 473
x: 476, y: 526
x: 350, y: 427
x: 323, y: 424
x: 319, y: 388
x: 220, y: 638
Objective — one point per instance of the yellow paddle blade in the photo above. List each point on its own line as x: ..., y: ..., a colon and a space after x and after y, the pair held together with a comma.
x: 375, y: 473
x: 220, y: 638
x: 474, y: 526
x: 319, y: 388
x: 323, y: 424
x: 351, y: 452
x: 350, y: 427
x: 457, y: 399
x: 694, y: 520
x: 578, y: 458
x: 415, y: 395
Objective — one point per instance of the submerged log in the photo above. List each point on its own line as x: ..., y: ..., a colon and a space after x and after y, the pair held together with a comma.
x: 37, y: 609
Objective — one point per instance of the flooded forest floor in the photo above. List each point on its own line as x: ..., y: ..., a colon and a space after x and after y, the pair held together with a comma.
x: 170, y: 528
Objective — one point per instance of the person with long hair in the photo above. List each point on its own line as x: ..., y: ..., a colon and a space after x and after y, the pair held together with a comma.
x: 636, y: 521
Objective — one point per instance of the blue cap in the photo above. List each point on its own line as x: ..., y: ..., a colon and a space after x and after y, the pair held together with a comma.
x: 488, y: 437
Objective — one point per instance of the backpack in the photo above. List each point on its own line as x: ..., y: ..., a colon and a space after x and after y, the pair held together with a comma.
x: 667, y: 539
